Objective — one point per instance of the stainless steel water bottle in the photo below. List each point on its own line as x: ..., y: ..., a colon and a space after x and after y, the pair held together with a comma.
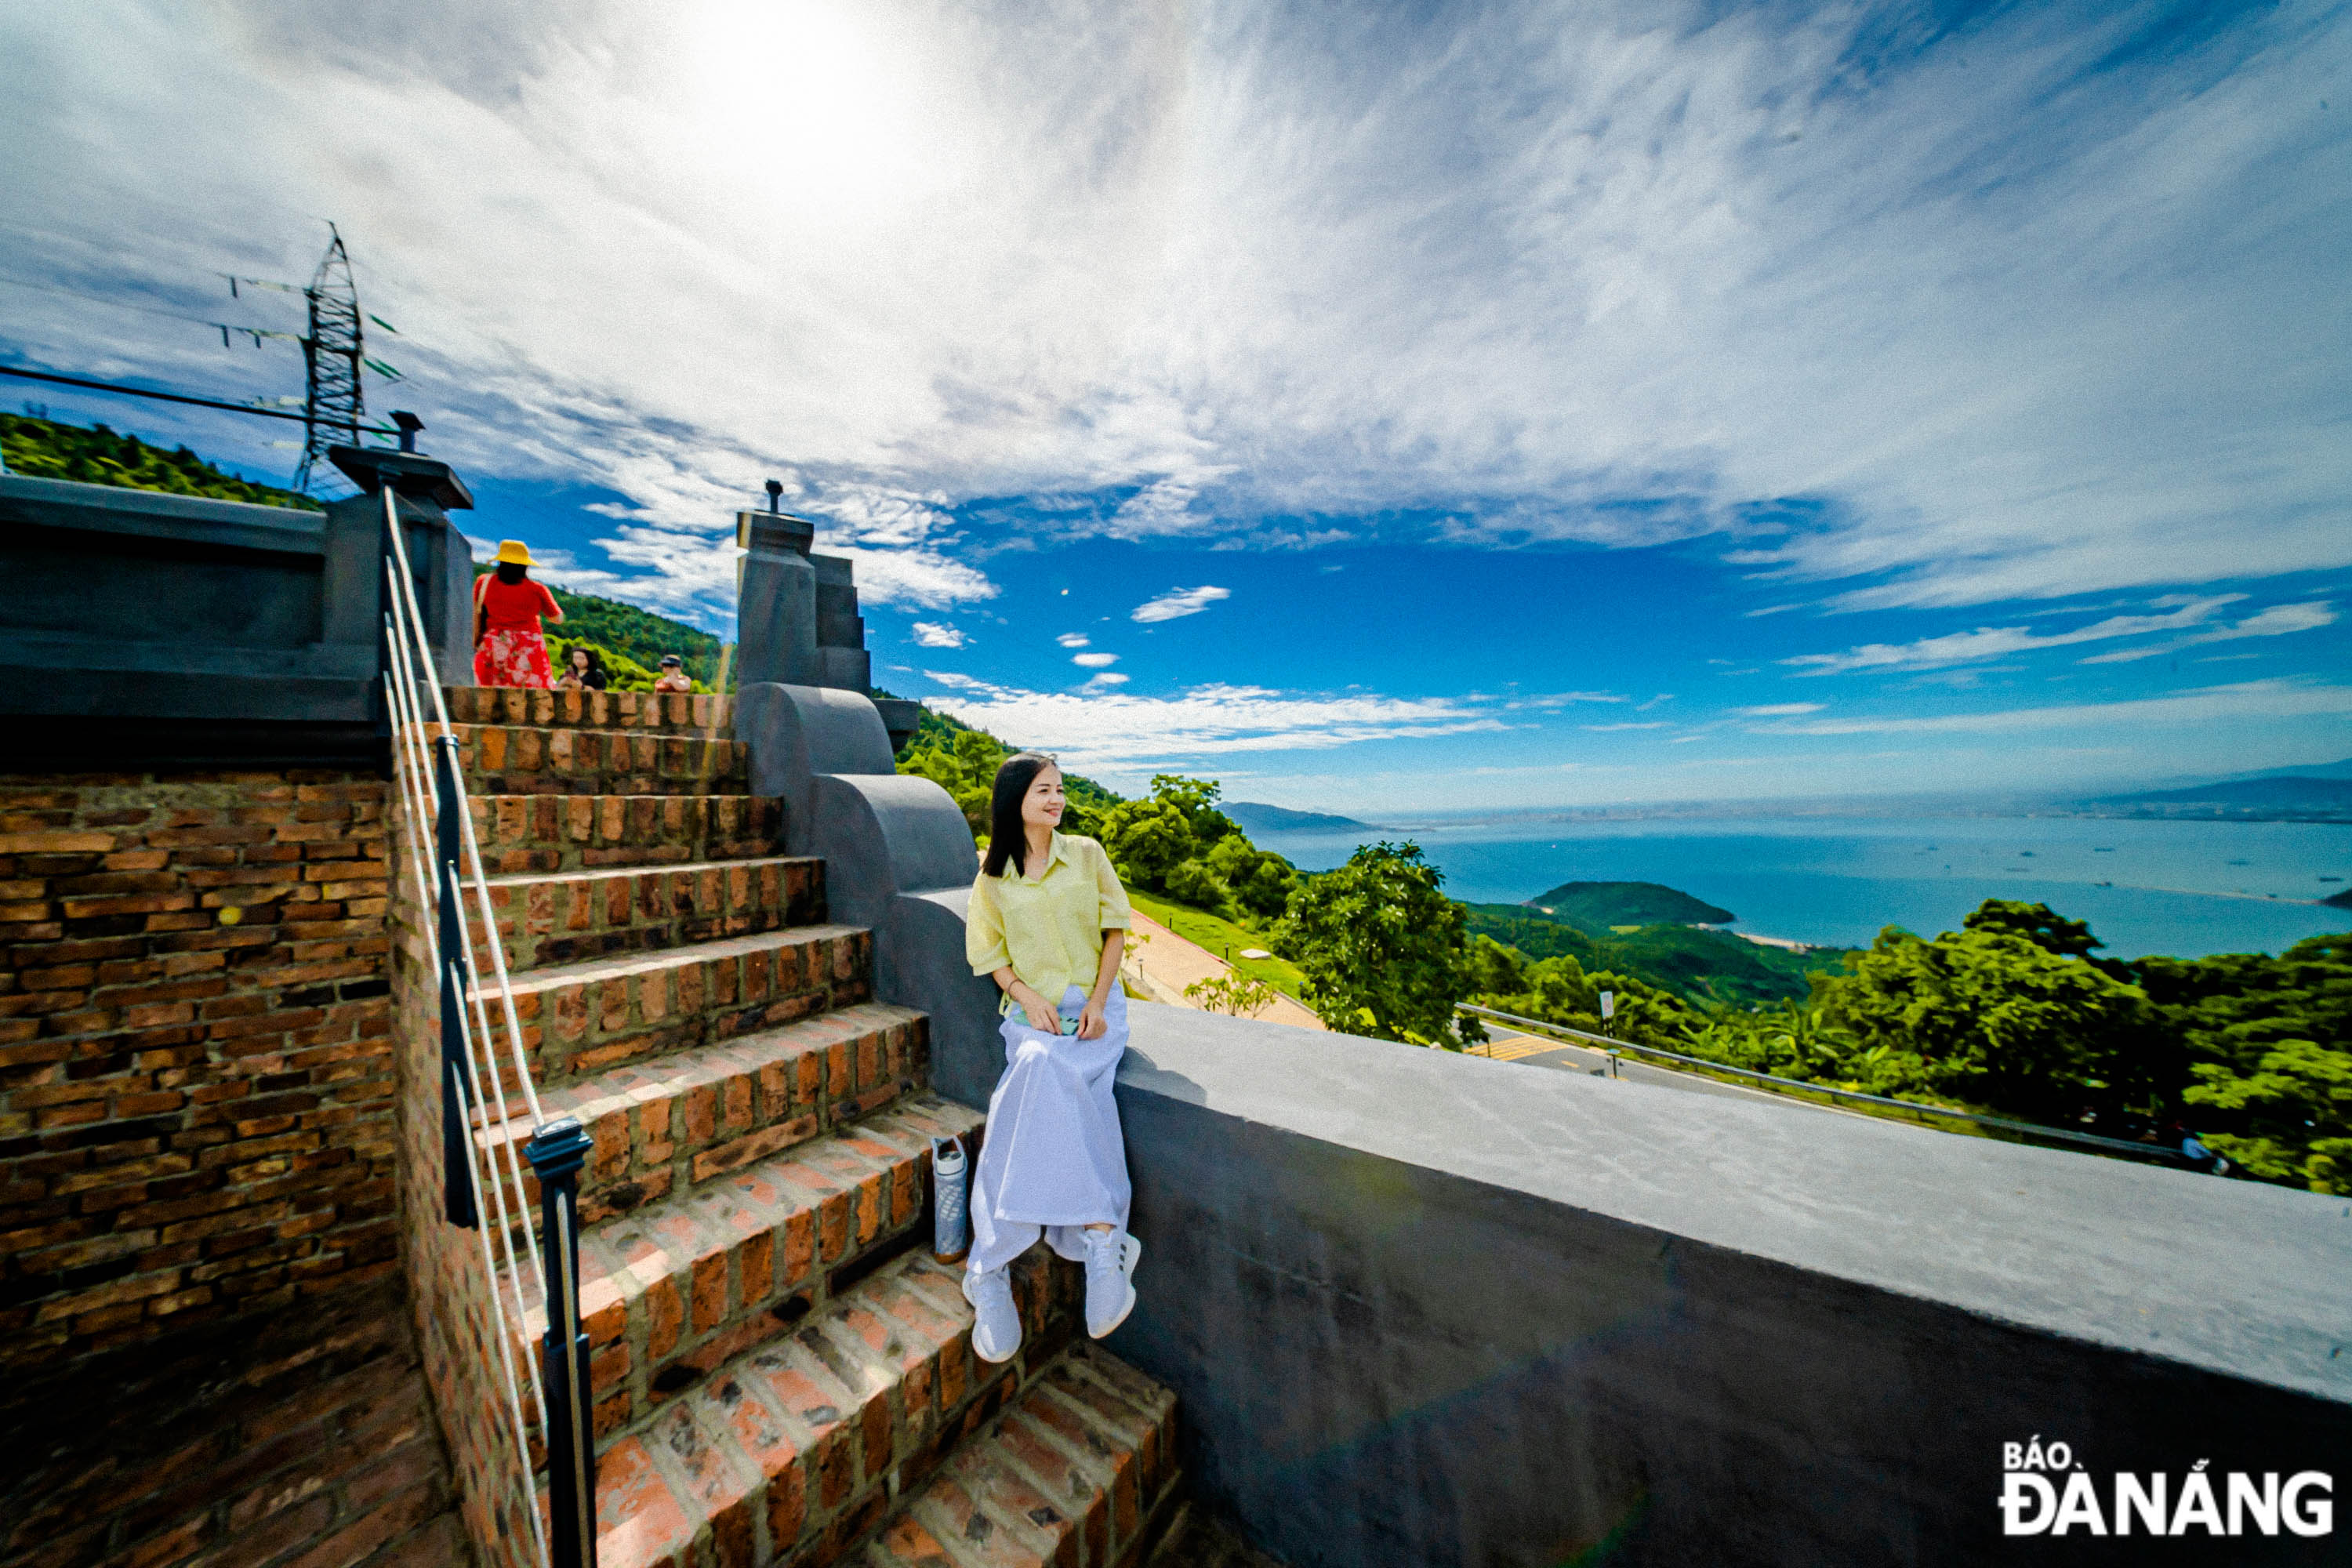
x: 950, y: 1210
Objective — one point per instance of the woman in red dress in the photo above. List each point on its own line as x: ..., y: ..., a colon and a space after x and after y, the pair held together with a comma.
x: 508, y: 606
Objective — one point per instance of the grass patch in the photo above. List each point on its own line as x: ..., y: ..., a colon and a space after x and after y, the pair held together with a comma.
x: 1219, y: 936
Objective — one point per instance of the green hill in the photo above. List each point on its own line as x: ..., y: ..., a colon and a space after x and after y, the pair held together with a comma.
x: 938, y: 752
x: 46, y: 449
x: 1703, y: 966
x: 1600, y: 905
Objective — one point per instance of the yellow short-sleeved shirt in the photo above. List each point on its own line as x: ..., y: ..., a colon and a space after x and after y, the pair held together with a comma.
x: 1048, y: 930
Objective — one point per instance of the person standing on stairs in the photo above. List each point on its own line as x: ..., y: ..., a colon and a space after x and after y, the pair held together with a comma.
x: 509, y: 649
x: 1047, y: 922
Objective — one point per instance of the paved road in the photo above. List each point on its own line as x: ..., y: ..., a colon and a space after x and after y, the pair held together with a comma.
x: 1540, y: 1051
x: 1169, y: 964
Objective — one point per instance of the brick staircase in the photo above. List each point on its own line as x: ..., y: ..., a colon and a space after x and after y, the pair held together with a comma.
x: 781, y: 1374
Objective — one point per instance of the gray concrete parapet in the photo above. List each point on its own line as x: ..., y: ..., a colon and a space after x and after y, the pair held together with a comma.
x: 1429, y: 1309
x: 139, y: 629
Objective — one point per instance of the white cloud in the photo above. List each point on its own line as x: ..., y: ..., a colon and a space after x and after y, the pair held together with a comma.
x: 1998, y: 642
x: 1562, y: 698
x: 1071, y: 639
x: 1613, y: 272
x: 1107, y: 678
x: 1611, y: 728
x: 1179, y: 601
x: 1778, y: 710
x: 2247, y: 700
x: 2276, y: 621
x: 931, y: 634
x: 1095, y: 660
x: 1113, y: 731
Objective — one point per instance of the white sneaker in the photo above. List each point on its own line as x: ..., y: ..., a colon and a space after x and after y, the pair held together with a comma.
x: 996, y: 1321
x: 1112, y: 1258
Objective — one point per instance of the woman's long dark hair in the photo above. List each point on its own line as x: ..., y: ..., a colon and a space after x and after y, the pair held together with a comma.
x: 1008, y: 838
x: 512, y: 571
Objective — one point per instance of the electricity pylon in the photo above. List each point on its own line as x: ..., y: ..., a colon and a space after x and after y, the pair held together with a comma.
x: 331, y: 353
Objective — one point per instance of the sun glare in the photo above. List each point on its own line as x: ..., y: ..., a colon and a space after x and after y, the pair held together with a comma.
x: 807, y: 103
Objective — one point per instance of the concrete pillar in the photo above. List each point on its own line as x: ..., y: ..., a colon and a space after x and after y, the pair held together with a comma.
x: 426, y: 491
x: 352, y: 590
x: 776, y: 625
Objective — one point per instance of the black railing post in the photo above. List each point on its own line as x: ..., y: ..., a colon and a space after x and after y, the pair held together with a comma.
x: 556, y: 1153
x: 456, y: 1131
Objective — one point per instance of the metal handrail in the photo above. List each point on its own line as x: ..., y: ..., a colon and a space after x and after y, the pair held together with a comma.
x: 2120, y: 1145
x: 477, y: 1120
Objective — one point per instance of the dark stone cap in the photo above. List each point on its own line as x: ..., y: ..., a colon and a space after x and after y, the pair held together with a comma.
x: 774, y: 530
x: 411, y: 474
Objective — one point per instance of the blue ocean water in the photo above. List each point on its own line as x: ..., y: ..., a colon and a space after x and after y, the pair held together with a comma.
x: 2187, y: 889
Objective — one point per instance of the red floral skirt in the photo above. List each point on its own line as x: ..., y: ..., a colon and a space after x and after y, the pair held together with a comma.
x: 513, y: 658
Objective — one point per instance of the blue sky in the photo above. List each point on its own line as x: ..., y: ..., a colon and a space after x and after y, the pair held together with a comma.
x: 1474, y: 407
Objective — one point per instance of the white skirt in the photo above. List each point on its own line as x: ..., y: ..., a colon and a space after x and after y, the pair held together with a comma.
x: 1052, y: 1160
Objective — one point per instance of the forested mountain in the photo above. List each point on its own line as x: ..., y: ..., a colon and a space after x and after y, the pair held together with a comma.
x: 1600, y: 905
x: 48, y: 450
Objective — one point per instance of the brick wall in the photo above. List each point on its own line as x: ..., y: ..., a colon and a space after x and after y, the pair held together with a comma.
x: 458, y: 1320
x: 302, y: 1440
x: 195, y: 1075
x: 206, y: 1354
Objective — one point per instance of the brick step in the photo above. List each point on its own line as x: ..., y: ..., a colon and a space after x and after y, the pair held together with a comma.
x: 570, y: 832
x: 580, y: 1019
x: 502, y: 759
x: 673, y: 1122
x: 673, y: 712
x: 792, y: 1453
x: 673, y: 1289
x: 563, y: 917
x: 1079, y: 1472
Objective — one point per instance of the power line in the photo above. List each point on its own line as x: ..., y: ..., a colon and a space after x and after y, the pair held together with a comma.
x: 255, y: 334
x: 333, y: 353
x: 172, y: 397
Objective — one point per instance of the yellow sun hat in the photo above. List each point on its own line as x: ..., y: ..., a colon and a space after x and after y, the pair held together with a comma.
x: 513, y: 551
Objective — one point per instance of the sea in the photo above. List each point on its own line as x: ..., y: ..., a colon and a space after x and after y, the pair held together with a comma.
x: 2183, y: 888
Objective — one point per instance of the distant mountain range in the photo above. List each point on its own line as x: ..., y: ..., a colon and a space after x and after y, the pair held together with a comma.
x: 1256, y: 816
x: 2342, y: 770
x: 2270, y: 790
x: 2321, y: 790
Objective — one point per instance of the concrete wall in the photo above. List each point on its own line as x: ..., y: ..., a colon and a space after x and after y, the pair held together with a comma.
x: 1436, y: 1309
x: 145, y: 629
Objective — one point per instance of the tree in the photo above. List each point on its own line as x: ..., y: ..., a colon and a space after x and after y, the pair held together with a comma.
x: 1175, y: 842
x: 1192, y: 883
x: 1146, y: 840
x: 1997, y: 1019
x: 2297, y: 1105
x: 1559, y: 991
x: 1261, y: 881
x: 2269, y: 1047
x: 2046, y: 929
x: 1232, y: 992
x: 1381, y: 949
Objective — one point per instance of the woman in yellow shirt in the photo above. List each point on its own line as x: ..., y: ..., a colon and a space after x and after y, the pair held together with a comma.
x: 1047, y: 922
